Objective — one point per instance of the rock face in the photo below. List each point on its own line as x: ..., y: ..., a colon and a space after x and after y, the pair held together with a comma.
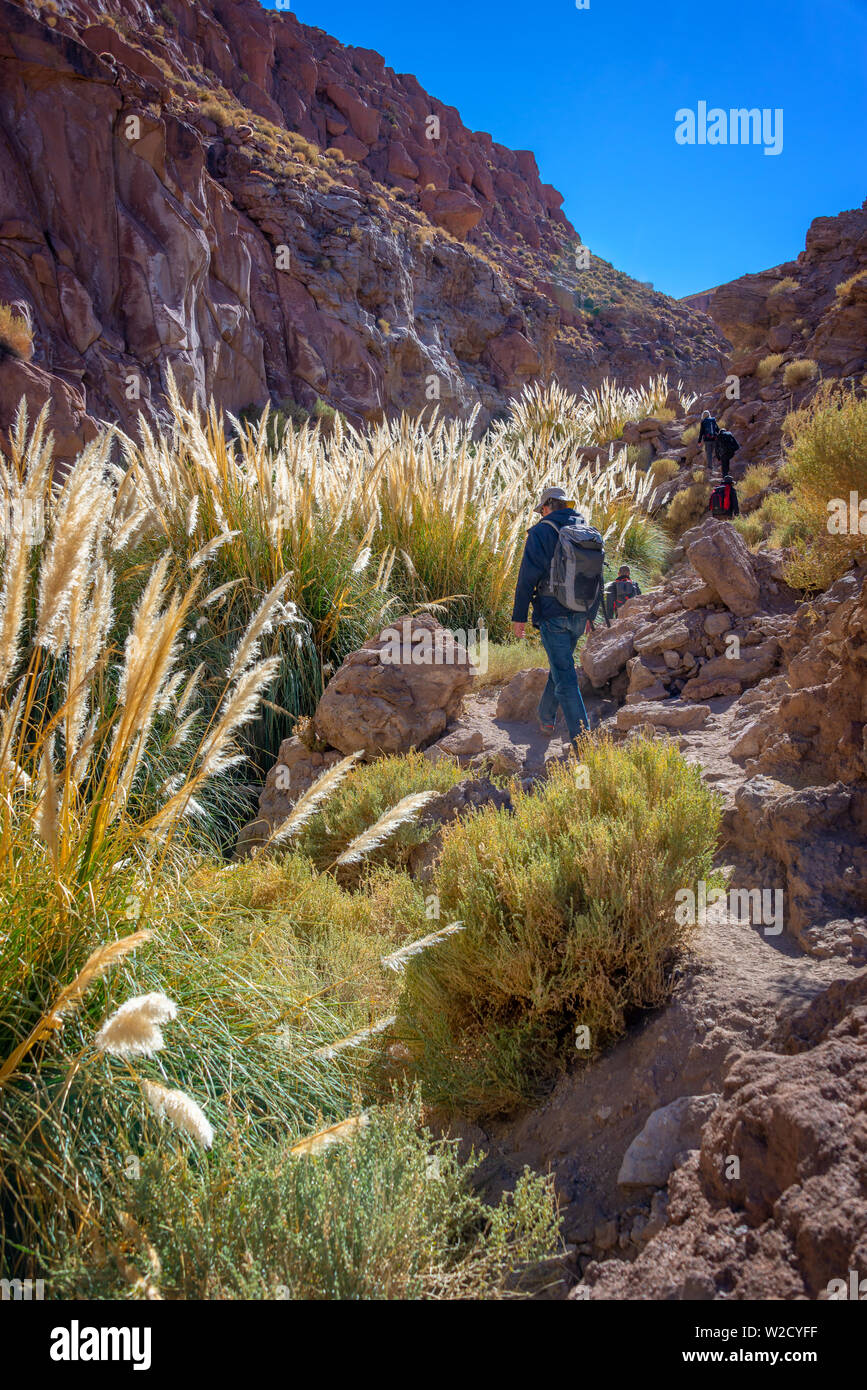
x: 223, y: 191
x: 794, y: 311
x: 788, y: 1220
x: 722, y: 560
x: 383, y: 699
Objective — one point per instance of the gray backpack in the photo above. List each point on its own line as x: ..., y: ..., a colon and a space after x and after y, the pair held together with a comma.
x: 575, y: 576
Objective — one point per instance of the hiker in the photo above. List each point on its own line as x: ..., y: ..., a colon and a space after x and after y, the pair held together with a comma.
x: 619, y: 590
x: 725, y: 449
x: 707, y: 433
x: 724, y: 500
x: 561, y: 575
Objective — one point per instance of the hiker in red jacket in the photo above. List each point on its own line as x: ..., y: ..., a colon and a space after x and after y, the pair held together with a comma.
x: 724, y: 500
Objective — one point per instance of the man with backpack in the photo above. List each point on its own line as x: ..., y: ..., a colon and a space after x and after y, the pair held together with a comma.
x: 619, y: 590
x: 726, y: 448
x: 707, y: 433
x: 724, y: 500
x: 561, y: 576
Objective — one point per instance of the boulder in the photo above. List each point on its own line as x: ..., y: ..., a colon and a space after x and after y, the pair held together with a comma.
x: 668, y: 1131
x: 297, y: 767
x: 519, y: 700
x: 397, y: 692
x: 607, y: 651
x: 720, y: 556
x: 461, y: 744
x: 663, y: 716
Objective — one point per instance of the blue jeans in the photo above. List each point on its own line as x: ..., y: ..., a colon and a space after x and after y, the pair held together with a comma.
x: 559, y: 638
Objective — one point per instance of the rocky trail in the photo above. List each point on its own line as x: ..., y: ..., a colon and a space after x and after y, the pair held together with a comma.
x: 717, y: 1150
x: 610, y: 1160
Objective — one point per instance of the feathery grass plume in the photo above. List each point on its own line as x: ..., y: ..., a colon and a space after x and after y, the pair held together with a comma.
x: 211, y: 547
x: 238, y: 707
x: 335, y: 1134
x: 12, y: 600
x: 361, y: 1035
x: 261, y: 622
x: 404, y: 810
x: 78, y: 518
x: 180, y: 1110
x: 398, y: 959
x: 134, y: 1028
x: 72, y: 994
x: 48, y: 807
x: 315, y: 794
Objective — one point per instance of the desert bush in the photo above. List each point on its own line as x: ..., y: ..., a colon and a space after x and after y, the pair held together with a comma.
x: 690, y: 434
x: 686, y: 508
x: 663, y: 470
x: 756, y: 478
x: 506, y: 659
x: 787, y: 283
x: 769, y: 366
x: 846, y: 289
x: 16, y: 333
x: 798, y: 373
x: 773, y: 523
x: 569, y: 913
x: 826, y: 460
x: 359, y: 1221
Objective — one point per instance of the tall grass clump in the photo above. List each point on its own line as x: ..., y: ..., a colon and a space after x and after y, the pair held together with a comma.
x: 16, y: 333
x: 826, y: 461
x: 568, y: 907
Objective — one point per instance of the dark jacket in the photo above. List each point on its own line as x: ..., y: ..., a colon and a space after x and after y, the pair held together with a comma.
x: 612, y: 601
x: 707, y: 429
x: 726, y: 446
x: 539, y: 550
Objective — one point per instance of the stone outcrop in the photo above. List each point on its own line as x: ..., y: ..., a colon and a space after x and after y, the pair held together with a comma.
x: 714, y: 628
x: 788, y: 1218
x: 222, y: 191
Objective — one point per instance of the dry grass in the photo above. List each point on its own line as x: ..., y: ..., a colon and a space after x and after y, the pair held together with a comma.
x: 798, y: 373
x: 769, y: 366
x: 16, y: 333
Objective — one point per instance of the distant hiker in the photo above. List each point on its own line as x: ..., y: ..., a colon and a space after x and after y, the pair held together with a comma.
x: 619, y: 590
x: 724, y: 500
x: 561, y: 575
x: 726, y: 448
x: 707, y: 433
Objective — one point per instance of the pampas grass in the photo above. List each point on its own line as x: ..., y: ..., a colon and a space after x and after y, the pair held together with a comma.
x: 398, y: 959
x: 134, y: 1029
x: 361, y: 1035
x: 375, y: 835
x: 180, y: 1110
x: 334, y: 1134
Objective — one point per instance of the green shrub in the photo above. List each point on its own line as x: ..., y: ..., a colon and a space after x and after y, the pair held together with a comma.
x: 846, y: 289
x: 369, y: 791
x: 569, y: 912
x: 686, y: 508
x: 390, y: 1216
x: 756, y: 478
x: 690, y: 434
x: 826, y: 459
x: 787, y: 283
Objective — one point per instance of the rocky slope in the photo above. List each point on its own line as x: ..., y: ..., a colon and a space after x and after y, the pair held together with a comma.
x: 220, y: 190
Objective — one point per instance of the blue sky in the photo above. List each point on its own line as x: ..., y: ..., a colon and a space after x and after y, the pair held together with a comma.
x: 593, y: 92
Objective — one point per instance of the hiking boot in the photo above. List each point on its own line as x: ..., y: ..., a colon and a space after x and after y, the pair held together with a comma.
x: 546, y: 730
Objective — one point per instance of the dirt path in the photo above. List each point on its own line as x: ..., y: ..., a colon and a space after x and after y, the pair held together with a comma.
x: 733, y: 987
